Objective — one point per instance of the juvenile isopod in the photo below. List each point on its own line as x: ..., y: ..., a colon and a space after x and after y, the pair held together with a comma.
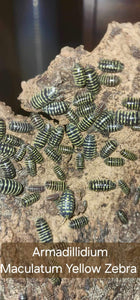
x: 55, y: 185
x: 128, y: 154
x: 114, y: 161
x: 111, y: 66
x: 109, y: 80
x: 101, y: 185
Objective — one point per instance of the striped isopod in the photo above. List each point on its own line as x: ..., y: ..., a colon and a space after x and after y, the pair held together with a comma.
x: 34, y: 153
x: 8, y: 168
x: 59, y: 173
x: 30, y: 166
x: 44, y: 231
x: 124, y: 187
x: 56, y: 108
x: 109, y: 80
x: 20, y: 153
x: 137, y: 196
x: 53, y: 154
x: 13, y: 140
x: 85, y: 109
x: 122, y: 216
x: 85, y: 123
x: 79, y: 75
x: 7, y: 150
x: 83, y: 98
x: 131, y: 103
x: 72, y: 116
x: 114, y: 161
x: 55, y: 185
x: 89, y: 147
x: 74, y: 134
x: 22, y: 127
x: 109, y: 148
x: 101, y: 185
x: 112, y: 126
x: 2, y: 128
x: 80, y: 161
x: 92, y: 80
x: 42, y: 137
x: 56, y: 136
x: 127, y: 118
x: 102, y: 121
x: 36, y: 188
x: 37, y: 121
x: 55, y: 281
x: 23, y: 297
x: 29, y: 199
x: 10, y: 186
x: 127, y: 154
x: 67, y: 204
x: 78, y: 223
x: 111, y: 66
x: 135, y: 127
x: 65, y: 149
x: 44, y: 97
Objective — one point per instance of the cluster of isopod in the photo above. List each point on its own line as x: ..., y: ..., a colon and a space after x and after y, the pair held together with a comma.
x: 83, y: 115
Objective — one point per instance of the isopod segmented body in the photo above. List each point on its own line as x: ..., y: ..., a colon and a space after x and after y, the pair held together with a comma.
x: 34, y: 153
x: 109, y: 80
x: 79, y: 75
x: 59, y: 173
x: 13, y: 140
x: 124, y: 187
x: 122, y: 216
x: 72, y: 116
x: 44, y: 97
x: 137, y: 196
x: 101, y: 185
x: 56, y: 108
x: 44, y: 231
x: 7, y: 150
x: 56, y: 136
x: 68, y: 150
x: 114, y: 161
x: 135, y: 127
x: 20, y: 153
x: 8, y: 168
x: 10, y: 186
x: 89, y: 147
x: 127, y: 118
x: 102, y: 121
x: 127, y: 154
x: 30, y: 166
x: 112, y: 126
x: 55, y: 185
x: 42, y: 137
x: 92, y: 80
x: 55, y: 281
x: 80, y: 161
x: 84, y: 124
x: 2, y: 128
x: 78, y: 223
x: 53, y: 154
x: 29, y: 199
x: 36, y: 188
x: 109, y: 148
x: 83, y: 98
x: 85, y: 109
x: 74, y: 134
x: 37, y: 121
x: 131, y: 103
x: 22, y: 127
x: 111, y: 66
x: 67, y: 204
x: 53, y: 197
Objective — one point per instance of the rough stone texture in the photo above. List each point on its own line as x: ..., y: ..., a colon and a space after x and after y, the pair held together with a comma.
x: 122, y: 42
